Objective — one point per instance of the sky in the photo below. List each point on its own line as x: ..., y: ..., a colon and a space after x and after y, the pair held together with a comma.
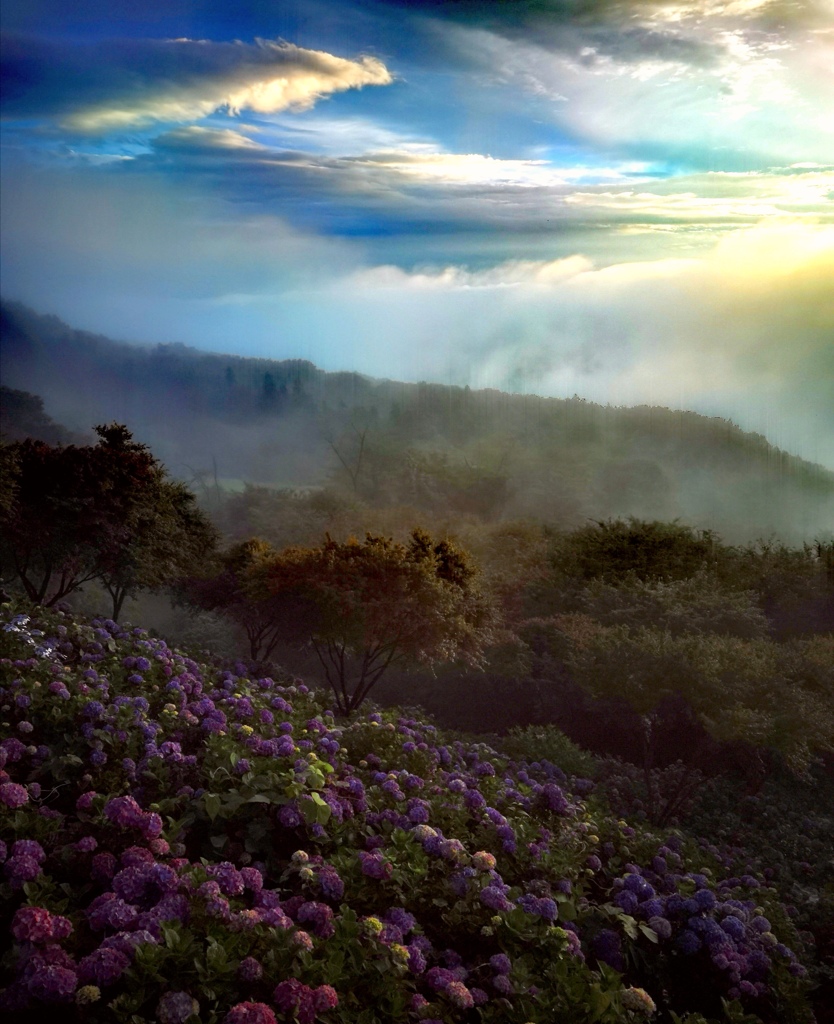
x: 628, y: 200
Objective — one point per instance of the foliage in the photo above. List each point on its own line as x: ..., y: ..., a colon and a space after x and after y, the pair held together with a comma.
x: 614, y: 549
x: 228, y: 591
x: 793, y: 586
x: 105, y: 512
x: 737, y: 687
x: 22, y: 415
x: 698, y: 604
x: 536, y: 742
x: 177, y: 834
x: 364, y: 607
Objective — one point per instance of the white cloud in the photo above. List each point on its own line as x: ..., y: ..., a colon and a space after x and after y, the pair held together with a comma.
x: 744, y: 331
x: 267, y: 77
x: 516, y: 273
x: 710, y: 87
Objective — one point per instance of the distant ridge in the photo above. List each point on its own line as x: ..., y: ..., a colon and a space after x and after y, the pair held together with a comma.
x: 286, y: 422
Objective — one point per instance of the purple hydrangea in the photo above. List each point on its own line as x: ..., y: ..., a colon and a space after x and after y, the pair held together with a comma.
x: 125, y: 812
x: 608, y: 948
x: 660, y: 926
x: 20, y: 870
x: 733, y: 927
x: 494, y: 899
x: 500, y: 963
x: 13, y: 795
x: 28, y: 848
x: 249, y: 970
x: 332, y: 886
x: 374, y: 865
x: 53, y: 983
x: 293, y: 996
x: 102, y: 967
x: 319, y: 916
x: 228, y: 878
x: 176, y: 1008
x: 325, y: 998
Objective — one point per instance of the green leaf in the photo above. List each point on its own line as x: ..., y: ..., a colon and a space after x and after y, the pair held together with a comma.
x: 211, y: 802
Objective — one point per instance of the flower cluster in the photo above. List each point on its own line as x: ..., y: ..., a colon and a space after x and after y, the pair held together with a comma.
x: 165, y: 819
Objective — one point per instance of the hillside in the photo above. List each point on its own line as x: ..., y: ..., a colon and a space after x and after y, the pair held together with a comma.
x: 183, y: 841
x: 437, y: 448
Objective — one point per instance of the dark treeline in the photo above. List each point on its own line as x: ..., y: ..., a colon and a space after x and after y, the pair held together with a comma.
x: 218, y: 421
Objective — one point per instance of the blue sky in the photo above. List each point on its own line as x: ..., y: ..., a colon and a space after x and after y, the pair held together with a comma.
x: 632, y: 201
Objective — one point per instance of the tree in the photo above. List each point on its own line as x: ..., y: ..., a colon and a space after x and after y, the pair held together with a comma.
x: 228, y: 591
x: 106, y: 512
x: 649, y: 550
x: 364, y: 607
x: 169, y: 537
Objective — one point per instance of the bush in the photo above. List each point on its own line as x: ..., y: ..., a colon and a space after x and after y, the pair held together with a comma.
x: 547, y: 743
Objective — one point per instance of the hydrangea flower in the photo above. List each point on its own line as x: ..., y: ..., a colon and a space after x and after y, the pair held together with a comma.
x: 325, y: 998
x: 459, y: 995
x: 250, y: 1013
x: 176, y: 1007
x: 293, y: 996
x: 21, y: 869
x: 607, y: 947
x: 320, y: 916
x: 87, y: 994
x: 53, y: 983
x: 13, y: 795
x: 374, y: 865
x: 638, y: 1000
x: 660, y: 926
x: 32, y: 924
x: 102, y: 967
x: 500, y: 963
x: 249, y: 970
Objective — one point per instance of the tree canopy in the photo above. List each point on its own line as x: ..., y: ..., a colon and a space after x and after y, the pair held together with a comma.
x: 365, y: 606
x: 107, y: 512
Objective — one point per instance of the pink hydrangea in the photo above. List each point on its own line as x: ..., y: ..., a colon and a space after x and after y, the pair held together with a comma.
x: 325, y: 998
x: 250, y: 1013
x: 85, y: 801
x: 125, y: 812
x: 293, y: 996
x: 458, y: 994
x: 32, y: 924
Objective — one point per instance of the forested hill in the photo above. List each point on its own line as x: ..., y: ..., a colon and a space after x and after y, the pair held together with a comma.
x: 437, y: 448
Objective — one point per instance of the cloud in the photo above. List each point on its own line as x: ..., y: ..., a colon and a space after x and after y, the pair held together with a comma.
x: 513, y: 274
x: 743, y: 331
x: 711, y: 92
x: 108, y: 85
x: 414, y: 186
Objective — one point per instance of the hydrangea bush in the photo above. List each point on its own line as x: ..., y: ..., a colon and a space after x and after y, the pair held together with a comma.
x: 185, y: 843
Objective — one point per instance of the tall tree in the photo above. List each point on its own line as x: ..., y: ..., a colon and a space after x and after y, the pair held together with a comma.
x: 104, y: 512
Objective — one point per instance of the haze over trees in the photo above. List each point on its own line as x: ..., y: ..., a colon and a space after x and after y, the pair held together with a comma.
x: 218, y: 421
